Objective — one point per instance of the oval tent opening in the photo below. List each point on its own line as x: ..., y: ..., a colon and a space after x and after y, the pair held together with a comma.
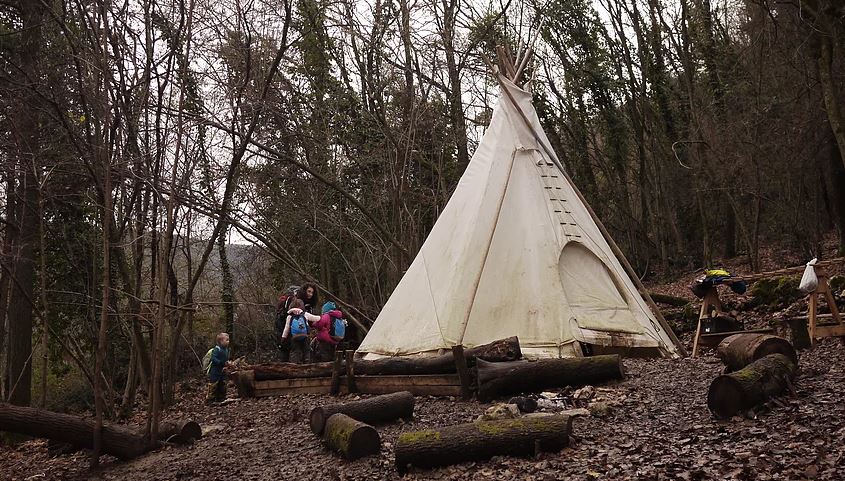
x: 593, y: 296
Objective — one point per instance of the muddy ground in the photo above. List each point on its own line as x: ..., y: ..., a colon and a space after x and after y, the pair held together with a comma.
x: 659, y: 428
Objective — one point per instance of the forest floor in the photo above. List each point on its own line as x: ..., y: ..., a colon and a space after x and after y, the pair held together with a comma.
x: 658, y: 428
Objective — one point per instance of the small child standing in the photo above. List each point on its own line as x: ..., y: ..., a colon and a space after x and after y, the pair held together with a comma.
x: 297, y: 329
x: 216, y: 378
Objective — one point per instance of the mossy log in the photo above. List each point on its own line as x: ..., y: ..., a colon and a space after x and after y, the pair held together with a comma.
x: 499, y: 378
x: 353, y: 439
x: 374, y: 410
x: 181, y: 431
x: 482, y: 440
x: 119, y: 441
x: 739, y: 391
x: 742, y: 349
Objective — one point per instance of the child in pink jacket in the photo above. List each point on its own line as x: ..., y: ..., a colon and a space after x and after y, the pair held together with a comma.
x: 325, y: 342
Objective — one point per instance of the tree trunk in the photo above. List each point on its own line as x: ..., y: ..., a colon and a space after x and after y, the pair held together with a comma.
x: 757, y: 382
x: 482, y: 440
x: 828, y: 49
x: 227, y: 296
x: 26, y: 151
x: 374, y: 410
x: 118, y: 441
x: 740, y: 350
x: 495, y: 379
x: 455, y: 94
x: 353, y: 439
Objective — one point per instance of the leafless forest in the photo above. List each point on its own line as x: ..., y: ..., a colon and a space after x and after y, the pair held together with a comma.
x: 169, y: 166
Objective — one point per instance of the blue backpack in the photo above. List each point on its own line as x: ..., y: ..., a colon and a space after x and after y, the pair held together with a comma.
x: 298, y: 327
x: 338, y: 329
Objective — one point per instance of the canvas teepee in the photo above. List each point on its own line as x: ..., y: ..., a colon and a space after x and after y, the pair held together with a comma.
x: 516, y: 252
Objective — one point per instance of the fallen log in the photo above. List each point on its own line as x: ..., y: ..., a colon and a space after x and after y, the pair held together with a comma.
x: 482, y: 440
x: 763, y: 379
x: 740, y: 350
x: 497, y: 351
x: 289, y: 370
x: 119, y: 441
x: 499, y: 378
x: 374, y: 410
x: 353, y: 439
x: 669, y: 300
x: 181, y: 431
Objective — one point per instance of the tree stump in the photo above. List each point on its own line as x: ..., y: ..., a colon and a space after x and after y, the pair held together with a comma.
x: 740, y: 350
x: 353, y: 439
x: 499, y: 378
x: 765, y: 378
x: 374, y: 410
x: 482, y: 440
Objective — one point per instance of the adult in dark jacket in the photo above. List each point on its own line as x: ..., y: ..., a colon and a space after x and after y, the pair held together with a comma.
x: 216, y: 377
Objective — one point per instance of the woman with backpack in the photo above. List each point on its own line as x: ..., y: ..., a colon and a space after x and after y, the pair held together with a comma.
x: 297, y: 331
x: 330, y: 330
x: 309, y: 296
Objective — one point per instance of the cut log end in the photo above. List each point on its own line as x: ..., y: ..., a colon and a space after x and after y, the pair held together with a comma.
x: 725, y: 397
x: 180, y: 432
x: 353, y: 439
x: 317, y: 420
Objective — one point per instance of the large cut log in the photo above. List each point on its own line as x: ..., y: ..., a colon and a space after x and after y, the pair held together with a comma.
x: 740, y: 350
x: 353, y: 439
x: 121, y: 442
x: 181, y: 431
x: 482, y: 440
x: 739, y: 391
x: 289, y: 370
x: 374, y: 410
x: 499, y: 378
x: 498, y: 351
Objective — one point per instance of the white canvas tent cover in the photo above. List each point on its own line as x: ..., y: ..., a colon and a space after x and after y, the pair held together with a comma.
x: 514, y: 253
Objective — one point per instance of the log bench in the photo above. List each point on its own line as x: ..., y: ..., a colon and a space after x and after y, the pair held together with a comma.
x: 418, y: 385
